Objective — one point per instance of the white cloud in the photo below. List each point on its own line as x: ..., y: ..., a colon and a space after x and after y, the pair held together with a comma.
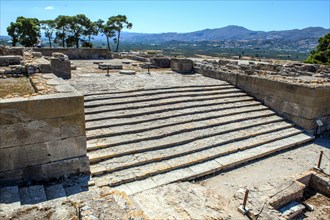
x: 51, y: 7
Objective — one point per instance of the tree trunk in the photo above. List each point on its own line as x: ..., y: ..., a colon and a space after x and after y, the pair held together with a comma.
x: 118, y: 38
x: 108, y: 43
x: 77, y: 42
x: 63, y: 43
x: 50, y: 42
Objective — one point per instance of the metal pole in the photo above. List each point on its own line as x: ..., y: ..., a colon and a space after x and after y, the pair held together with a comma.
x: 320, y: 159
x: 245, y: 198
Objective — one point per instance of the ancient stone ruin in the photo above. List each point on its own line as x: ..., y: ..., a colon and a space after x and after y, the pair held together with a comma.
x: 124, y: 124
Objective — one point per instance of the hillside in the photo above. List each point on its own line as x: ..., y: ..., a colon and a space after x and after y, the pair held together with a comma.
x: 231, y: 32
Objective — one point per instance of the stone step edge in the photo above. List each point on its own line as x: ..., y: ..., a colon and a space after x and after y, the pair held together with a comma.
x: 169, y: 110
x: 155, y: 99
x: 98, y: 158
x: 111, y: 125
x: 191, y: 175
x: 127, y: 132
x: 106, y: 96
x: 221, y: 167
x: 259, y: 156
x: 155, y: 89
x: 98, y: 172
x: 232, y: 94
x: 94, y: 147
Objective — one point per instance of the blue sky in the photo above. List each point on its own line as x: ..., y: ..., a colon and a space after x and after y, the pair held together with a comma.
x: 179, y: 16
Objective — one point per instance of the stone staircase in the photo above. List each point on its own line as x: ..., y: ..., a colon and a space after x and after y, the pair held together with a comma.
x: 13, y: 197
x: 141, y: 139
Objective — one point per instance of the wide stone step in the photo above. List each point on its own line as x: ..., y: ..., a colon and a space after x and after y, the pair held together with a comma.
x: 158, y: 93
x: 167, y: 96
x: 32, y: 194
x: 55, y: 192
x: 9, y: 199
x: 169, y: 122
x: 143, y: 105
x: 185, y: 138
x: 178, y: 132
x: 202, y: 169
x: 123, y: 116
x: 197, y: 151
x: 161, y: 90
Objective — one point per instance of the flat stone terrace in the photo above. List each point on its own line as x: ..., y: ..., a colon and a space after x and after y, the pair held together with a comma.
x: 147, y: 130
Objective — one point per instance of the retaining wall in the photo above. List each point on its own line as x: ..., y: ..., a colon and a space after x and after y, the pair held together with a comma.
x: 299, y: 103
x: 43, y: 137
x: 77, y: 53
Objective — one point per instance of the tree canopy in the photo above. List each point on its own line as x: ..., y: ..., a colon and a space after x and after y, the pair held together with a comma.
x: 321, y: 55
x: 68, y: 31
x: 25, y: 31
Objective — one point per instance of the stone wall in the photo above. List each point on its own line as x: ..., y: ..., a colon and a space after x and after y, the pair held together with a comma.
x: 15, y: 51
x: 77, y: 53
x: 299, y: 103
x: 43, y: 136
x: 182, y: 65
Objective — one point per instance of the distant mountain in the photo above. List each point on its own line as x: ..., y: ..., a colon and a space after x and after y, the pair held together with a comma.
x: 231, y: 32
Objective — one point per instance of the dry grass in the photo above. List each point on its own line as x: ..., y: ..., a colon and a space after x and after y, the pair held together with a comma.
x: 14, y: 87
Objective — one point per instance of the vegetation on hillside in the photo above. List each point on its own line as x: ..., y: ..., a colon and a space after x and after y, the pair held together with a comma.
x: 321, y: 55
x: 69, y: 31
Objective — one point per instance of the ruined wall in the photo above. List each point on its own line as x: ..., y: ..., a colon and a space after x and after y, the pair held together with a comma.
x: 77, y: 53
x: 43, y: 136
x: 15, y: 51
x: 301, y: 104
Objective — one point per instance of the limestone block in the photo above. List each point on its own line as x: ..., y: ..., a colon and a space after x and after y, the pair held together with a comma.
x: 43, y: 107
x: 11, y: 176
x: 12, y: 116
x: 67, y: 148
x: 182, y: 65
x: 32, y: 173
x: 28, y: 133
x: 36, y: 54
x: 6, y: 162
x: 44, y: 68
x: 66, y: 167
x: 25, y: 155
x: 72, y: 126
x: 10, y: 60
x: 61, y: 68
x: 17, y: 51
x: 161, y: 62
